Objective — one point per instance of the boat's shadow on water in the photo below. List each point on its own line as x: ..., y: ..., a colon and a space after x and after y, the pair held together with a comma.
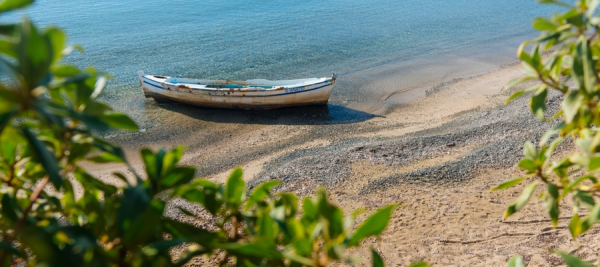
x: 308, y: 115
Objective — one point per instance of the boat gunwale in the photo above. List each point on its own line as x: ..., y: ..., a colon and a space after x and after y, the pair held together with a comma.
x: 327, y: 81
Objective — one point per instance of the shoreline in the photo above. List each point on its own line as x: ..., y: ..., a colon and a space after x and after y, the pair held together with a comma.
x: 438, y: 155
x: 264, y: 133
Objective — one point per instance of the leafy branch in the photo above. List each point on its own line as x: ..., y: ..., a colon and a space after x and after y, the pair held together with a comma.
x: 571, y: 68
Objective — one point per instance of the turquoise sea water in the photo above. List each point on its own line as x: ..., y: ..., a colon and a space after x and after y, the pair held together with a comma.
x: 273, y: 39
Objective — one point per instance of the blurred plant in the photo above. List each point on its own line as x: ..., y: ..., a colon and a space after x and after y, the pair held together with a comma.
x: 571, y: 40
x: 55, y: 213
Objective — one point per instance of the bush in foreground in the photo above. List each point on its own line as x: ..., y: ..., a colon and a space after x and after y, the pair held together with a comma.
x: 572, y: 41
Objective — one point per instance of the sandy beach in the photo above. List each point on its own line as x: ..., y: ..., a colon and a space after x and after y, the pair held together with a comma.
x: 435, y: 149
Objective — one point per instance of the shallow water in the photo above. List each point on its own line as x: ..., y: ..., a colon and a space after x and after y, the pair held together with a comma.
x: 403, y: 43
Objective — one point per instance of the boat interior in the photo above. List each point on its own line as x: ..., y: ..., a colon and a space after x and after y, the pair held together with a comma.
x: 256, y: 84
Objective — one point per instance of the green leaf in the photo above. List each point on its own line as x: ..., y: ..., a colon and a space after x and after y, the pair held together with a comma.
x: 8, y: 147
x: 529, y: 151
x: 555, y: 66
x: 207, y: 195
x: 571, y: 104
x: 298, y: 233
x: 377, y: 260
x: 10, y: 5
x: 266, y: 225
x: 170, y: 160
x: 538, y: 103
x: 120, y: 121
x: 134, y: 202
x: 544, y: 24
x: 594, y: 163
x: 528, y: 164
x: 7, y: 48
x: 257, y: 249
x: 514, y: 96
x: 583, y: 66
x: 109, y: 148
x: 508, y: 184
x: 575, y: 226
x: 8, y: 29
x: 556, y: 129
x: 121, y: 177
x: 518, y: 81
x: 310, y: 210
x: 551, y: 149
x: 235, y: 187
x: 551, y: 203
x: 516, y: 261
x: 151, y: 163
x: 555, y: 2
x: 58, y: 39
x: 34, y: 56
x: 65, y: 70
x: 572, y: 261
x: 47, y: 159
x: 586, y: 198
x: 290, y: 202
x: 178, y: 176
x: 592, y: 217
x: 92, y: 121
x: 9, y: 209
x: 106, y: 158
x: 191, y: 233
x: 520, y: 93
x: 298, y: 259
x: 89, y: 181
x: 522, y: 200
x: 526, y: 59
x: 373, y: 225
x: 592, y: 6
x: 261, y: 192
x: 332, y: 214
x: 419, y: 264
x: 576, y: 181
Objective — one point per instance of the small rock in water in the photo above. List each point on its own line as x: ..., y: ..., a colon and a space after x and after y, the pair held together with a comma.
x: 142, y: 130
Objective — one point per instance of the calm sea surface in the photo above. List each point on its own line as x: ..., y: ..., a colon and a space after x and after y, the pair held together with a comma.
x: 273, y: 39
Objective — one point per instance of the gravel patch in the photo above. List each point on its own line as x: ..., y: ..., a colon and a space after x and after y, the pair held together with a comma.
x: 493, y: 138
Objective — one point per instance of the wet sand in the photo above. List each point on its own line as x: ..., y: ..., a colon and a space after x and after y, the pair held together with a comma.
x: 435, y: 148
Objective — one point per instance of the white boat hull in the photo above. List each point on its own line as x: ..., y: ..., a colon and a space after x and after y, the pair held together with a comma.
x: 163, y: 89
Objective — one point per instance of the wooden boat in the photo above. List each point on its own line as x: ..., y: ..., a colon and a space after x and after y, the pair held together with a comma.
x: 251, y: 94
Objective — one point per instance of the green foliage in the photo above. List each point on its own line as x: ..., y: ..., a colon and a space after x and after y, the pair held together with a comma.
x: 571, y: 44
x: 54, y: 213
x: 516, y: 261
x: 419, y: 264
x: 572, y: 261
